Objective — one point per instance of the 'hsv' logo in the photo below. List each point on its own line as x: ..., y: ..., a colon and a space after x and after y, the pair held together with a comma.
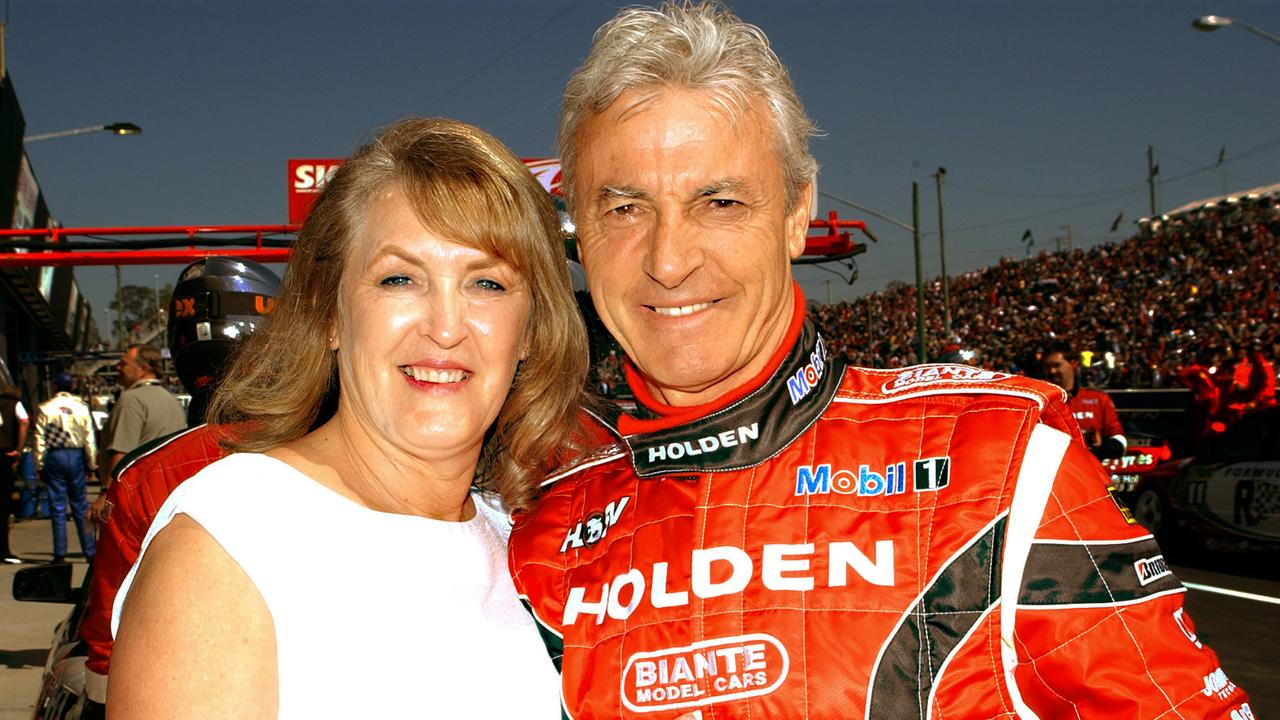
x: 707, y: 444
x: 596, y: 526
x: 807, y: 377
x: 926, y: 374
x: 703, y: 673
x: 931, y: 474
x: 1151, y: 569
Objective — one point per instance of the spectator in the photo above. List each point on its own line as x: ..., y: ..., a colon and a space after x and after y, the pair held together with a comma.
x: 13, y: 436
x: 144, y: 412
x: 1260, y: 386
x: 65, y: 446
x: 1198, y: 378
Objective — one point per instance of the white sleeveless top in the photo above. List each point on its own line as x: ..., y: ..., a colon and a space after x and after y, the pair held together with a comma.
x: 376, y: 614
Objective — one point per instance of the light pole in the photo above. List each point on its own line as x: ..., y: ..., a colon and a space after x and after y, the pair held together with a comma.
x: 1209, y: 23
x: 120, y: 128
x: 119, y: 309
x: 914, y: 229
x: 921, y: 357
x: 942, y: 246
x: 157, y: 279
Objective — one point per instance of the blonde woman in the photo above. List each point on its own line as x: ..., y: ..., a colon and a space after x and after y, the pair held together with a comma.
x: 354, y: 565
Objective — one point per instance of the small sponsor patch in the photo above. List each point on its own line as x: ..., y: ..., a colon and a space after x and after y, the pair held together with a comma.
x: 1125, y: 512
x: 929, y: 374
x: 593, y: 529
x: 807, y: 377
x: 1217, y: 683
x: 1151, y: 569
x: 707, y: 672
x: 931, y: 474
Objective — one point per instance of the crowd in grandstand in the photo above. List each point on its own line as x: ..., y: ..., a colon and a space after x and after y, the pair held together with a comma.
x: 1141, y: 309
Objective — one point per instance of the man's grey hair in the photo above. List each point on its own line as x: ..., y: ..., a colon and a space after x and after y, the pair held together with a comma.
x: 700, y: 46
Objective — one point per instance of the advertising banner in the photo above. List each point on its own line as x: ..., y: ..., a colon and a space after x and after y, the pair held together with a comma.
x: 306, y: 178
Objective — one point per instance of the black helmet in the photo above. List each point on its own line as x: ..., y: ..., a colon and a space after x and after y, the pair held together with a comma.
x: 216, y: 302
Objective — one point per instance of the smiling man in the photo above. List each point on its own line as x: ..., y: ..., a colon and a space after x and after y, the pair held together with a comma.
x: 776, y: 535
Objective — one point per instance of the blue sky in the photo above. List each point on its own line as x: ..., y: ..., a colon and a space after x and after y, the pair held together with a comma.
x: 1040, y: 111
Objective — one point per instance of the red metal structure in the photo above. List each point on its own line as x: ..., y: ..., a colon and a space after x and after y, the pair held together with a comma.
x: 141, y: 245
x: 179, y: 245
x: 837, y: 243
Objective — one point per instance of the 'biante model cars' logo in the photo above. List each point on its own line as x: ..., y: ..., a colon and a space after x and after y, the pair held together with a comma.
x: 703, y: 673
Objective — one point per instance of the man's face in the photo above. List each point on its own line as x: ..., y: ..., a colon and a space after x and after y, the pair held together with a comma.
x: 685, y: 237
x: 130, y: 370
x: 1060, y: 371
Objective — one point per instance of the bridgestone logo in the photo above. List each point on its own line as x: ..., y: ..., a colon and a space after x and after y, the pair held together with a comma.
x: 1151, y: 569
x: 706, y: 444
x: 706, y: 672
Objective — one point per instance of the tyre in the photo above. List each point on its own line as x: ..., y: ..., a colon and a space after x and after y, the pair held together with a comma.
x: 1151, y: 511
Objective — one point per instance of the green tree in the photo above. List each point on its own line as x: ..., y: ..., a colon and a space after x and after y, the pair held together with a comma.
x: 138, y: 304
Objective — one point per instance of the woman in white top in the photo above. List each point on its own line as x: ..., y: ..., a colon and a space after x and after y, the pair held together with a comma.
x: 351, y: 562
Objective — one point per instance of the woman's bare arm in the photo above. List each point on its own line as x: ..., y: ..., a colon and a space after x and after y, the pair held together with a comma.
x: 196, y: 639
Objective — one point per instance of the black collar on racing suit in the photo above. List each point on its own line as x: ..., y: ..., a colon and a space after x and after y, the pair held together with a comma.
x: 754, y: 428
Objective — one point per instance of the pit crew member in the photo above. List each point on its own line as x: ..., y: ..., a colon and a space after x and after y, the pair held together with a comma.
x: 1092, y: 409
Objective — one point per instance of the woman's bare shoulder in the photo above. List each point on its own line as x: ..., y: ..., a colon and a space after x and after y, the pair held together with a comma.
x: 196, y: 638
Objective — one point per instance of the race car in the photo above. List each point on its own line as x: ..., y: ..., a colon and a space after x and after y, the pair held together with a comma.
x: 1144, y: 456
x: 1225, y: 498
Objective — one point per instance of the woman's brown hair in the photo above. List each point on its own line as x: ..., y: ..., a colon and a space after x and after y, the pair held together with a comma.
x: 465, y: 186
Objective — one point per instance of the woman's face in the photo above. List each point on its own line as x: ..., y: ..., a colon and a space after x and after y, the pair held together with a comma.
x: 428, y: 334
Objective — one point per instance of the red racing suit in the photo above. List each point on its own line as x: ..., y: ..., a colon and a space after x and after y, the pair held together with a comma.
x: 144, y: 480
x: 1096, y: 415
x: 832, y: 542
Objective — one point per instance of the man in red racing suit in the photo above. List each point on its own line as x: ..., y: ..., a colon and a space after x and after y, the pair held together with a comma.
x: 1093, y: 409
x: 775, y: 535
x: 842, y: 542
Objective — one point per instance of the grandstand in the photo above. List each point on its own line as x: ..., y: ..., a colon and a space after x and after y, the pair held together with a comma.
x: 1191, y: 284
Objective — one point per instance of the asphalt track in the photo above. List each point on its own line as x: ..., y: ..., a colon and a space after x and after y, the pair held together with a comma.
x: 1234, y: 602
x: 1237, y: 613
